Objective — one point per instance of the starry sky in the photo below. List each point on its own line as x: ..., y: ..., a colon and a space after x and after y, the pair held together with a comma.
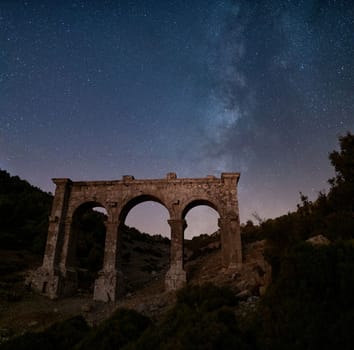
x: 94, y: 90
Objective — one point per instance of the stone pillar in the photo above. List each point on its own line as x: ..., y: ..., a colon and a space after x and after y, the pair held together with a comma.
x: 46, y: 279
x: 68, y: 273
x: 176, y: 276
x: 231, y: 248
x: 110, y: 283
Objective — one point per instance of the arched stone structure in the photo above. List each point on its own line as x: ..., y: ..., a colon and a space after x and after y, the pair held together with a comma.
x: 57, y: 277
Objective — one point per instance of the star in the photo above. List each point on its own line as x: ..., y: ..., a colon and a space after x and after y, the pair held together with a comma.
x: 153, y: 87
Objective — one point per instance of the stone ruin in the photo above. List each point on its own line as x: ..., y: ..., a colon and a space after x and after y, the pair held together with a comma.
x: 58, y: 277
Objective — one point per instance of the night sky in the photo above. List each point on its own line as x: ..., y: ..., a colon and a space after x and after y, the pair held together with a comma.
x: 94, y: 90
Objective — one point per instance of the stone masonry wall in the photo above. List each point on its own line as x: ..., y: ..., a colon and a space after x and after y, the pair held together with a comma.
x: 57, y: 276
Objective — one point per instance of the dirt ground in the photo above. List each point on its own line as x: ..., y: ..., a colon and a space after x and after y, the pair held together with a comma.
x: 23, y: 310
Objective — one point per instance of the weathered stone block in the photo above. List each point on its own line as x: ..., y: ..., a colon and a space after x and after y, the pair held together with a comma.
x: 108, y: 286
x: 176, y: 278
x: 46, y: 282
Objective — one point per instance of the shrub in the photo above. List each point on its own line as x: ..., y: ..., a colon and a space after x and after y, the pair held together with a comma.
x: 309, y: 305
x: 63, y: 335
x: 120, y: 329
x: 203, y: 318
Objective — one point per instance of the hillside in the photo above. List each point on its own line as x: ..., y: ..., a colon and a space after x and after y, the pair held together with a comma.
x: 145, y: 262
x: 295, y: 289
x: 24, y: 214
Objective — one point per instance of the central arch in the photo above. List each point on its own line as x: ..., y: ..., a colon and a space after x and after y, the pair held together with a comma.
x: 199, y: 202
x: 131, y: 203
x: 144, y: 256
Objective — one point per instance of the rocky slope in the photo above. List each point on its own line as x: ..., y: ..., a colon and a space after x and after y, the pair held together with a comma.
x: 144, y: 263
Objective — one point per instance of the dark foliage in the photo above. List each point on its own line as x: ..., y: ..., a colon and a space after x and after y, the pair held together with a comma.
x: 203, y: 318
x: 202, y: 244
x: 24, y: 214
x: 63, y: 335
x: 90, y: 231
x: 120, y: 329
x: 340, y: 222
x: 251, y: 232
x: 310, y: 302
x: 331, y: 215
x: 310, y: 305
x: 132, y: 234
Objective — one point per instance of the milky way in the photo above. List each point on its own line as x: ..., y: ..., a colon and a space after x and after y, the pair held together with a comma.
x: 99, y: 89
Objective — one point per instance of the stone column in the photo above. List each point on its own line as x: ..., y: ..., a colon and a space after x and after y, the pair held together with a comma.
x: 231, y: 248
x: 176, y: 276
x: 68, y: 273
x: 46, y: 279
x: 110, y: 283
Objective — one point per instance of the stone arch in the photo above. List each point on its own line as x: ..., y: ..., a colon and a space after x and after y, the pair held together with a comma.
x: 68, y: 255
x: 79, y: 207
x: 74, y: 211
x: 200, y: 202
x: 125, y: 209
x: 197, y: 202
x: 132, y: 202
x: 56, y: 278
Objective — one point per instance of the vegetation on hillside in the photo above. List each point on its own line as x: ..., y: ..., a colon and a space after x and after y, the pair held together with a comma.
x: 331, y: 215
x: 123, y: 327
x: 24, y: 214
x: 63, y: 335
x: 309, y: 304
x: 202, y: 318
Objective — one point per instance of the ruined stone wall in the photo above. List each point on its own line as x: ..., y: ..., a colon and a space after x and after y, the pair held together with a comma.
x: 57, y: 275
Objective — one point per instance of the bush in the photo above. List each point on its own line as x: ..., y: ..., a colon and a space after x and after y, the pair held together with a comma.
x: 120, y: 329
x: 309, y: 305
x: 63, y: 335
x: 24, y: 214
x: 203, y: 318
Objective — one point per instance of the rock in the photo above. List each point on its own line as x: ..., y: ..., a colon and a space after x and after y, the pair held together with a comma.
x: 243, y: 295
x: 161, y: 303
x: 33, y: 324
x: 319, y: 240
x: 252, y: 299
x: 152, y: 307
x: 5, y: 332
x: 86, y: 308
x: 235, y: 276
x: 262, y: 290
x: 141, y: 308
x: 242, y: 285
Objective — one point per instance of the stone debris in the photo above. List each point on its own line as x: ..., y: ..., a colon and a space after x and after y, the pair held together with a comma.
x: 319, y: 240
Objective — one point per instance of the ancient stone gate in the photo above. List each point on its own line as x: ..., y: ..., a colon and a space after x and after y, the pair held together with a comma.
x: 57, y: 275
